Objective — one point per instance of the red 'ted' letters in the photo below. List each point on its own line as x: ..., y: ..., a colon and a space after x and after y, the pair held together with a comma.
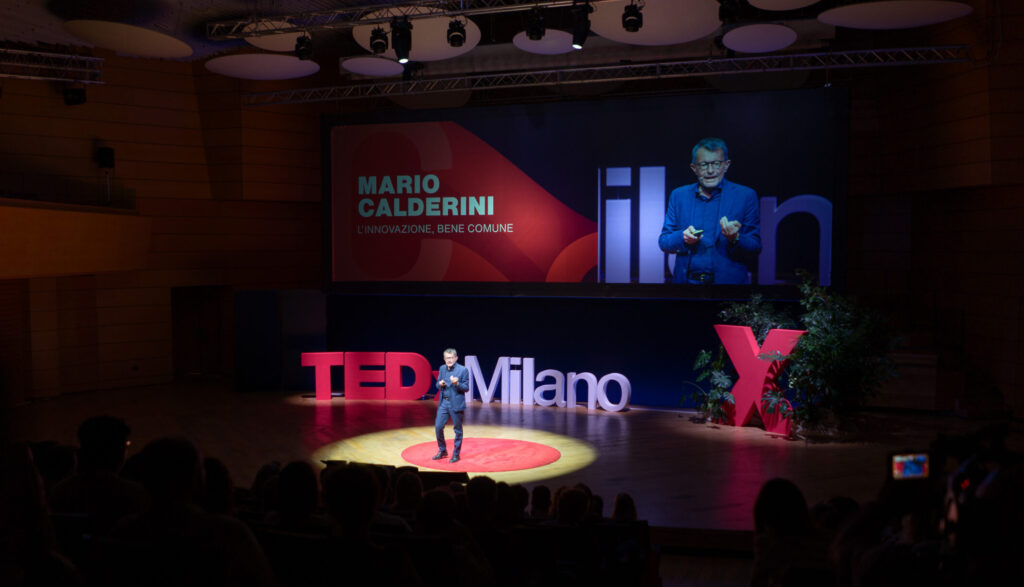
x: 422, y: 379
x: 322, y: 363
x: 356, y: 375
x: 755, y: 375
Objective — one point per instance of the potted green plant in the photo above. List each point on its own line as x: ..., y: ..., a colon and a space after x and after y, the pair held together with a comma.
x: 840, y: 362
x: 714, y: 366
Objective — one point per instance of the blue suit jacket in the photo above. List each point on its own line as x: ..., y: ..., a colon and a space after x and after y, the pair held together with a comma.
x: 455, y: 394
x: 730, y: 262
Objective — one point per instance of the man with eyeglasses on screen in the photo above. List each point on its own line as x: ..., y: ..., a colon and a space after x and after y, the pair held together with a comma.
x: 713, y: 226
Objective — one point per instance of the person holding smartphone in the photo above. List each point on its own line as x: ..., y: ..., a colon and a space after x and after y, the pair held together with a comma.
x: 713, y: 225
x: 452, y: 385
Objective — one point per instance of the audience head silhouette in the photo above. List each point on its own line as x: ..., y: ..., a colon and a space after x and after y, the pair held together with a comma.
x: 103, y: 441
x: 781, y: 510
x: 172, y: 470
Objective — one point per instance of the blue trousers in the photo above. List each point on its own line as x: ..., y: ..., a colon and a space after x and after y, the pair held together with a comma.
x: 444, y: 411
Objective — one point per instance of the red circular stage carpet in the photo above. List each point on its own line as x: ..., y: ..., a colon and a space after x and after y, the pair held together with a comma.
x: 485, y: 455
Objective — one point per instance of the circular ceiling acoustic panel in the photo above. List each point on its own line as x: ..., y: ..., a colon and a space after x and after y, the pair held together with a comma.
x: 128, y: 39
x: 554, y: 42
x: 665, y: 22
x: 262, y: 66
x: 778, y: 5
x: 373, y: 66
x: 894, y: 14
x: 759, y: 38
x: 429, y: 35
x: 279, y: 42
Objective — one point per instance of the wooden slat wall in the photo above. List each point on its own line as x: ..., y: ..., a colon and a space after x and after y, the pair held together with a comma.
x: 14, y: 343
x: 51, y: 239
x: 937, y: 206
x: 230, y: 198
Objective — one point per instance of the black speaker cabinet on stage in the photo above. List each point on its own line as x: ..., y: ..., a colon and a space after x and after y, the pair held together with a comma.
x: 105, y: 157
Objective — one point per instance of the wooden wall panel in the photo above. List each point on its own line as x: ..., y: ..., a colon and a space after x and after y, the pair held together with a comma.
x: 113, y: 298
x: 148, y: 314
x: 300, y: 158
x: 945, y: 216
x: 126, y: 351
x: 130, y: 333
x: 275, y: 191
x: 135, y: 372
x: 15, y: 343
x: 41, y: 241
x: 149, y: 188
x: 292, y: 139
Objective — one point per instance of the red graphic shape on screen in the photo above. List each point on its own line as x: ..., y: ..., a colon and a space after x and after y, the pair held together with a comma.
x: 528, y: 231
x: 756, y: 376
x: 574, y: 261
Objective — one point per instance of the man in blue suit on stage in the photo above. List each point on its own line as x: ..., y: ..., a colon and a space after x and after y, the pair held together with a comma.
x: 452, y: 385
x: 713, y: 226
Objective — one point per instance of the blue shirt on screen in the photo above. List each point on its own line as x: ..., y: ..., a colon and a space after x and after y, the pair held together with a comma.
x: 728, y: 262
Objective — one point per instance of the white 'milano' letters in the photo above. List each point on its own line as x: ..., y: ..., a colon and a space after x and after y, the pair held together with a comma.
x: 514, y: 381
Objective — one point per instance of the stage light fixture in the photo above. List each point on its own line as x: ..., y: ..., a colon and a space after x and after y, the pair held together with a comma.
x: 581, y: 25
x: 304, y: 47
x: 378, y: 41
x: 401, y: 37
x: 728, y: 11
x: 632, y: 19
x: 456, y: 33
x: 535, y: 27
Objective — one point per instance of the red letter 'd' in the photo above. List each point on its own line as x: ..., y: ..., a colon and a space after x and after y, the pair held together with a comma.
x: 421, y: 380
x: 322, y: 363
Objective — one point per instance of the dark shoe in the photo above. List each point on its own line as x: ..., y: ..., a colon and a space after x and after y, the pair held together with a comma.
x: 455, y: 459
x: 440, y: 455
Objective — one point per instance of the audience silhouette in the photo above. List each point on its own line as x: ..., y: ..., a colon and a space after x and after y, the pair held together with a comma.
x: 168, y: 516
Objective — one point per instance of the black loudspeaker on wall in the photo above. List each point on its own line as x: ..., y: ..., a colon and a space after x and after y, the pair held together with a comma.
x: 105, y: 157
x: 74, y: 96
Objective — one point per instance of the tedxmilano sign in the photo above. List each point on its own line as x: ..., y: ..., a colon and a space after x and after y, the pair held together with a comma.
x: 378, y: 375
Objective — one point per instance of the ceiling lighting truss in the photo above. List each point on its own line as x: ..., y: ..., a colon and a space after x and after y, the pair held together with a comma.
x: 350, y: 16
x: 36, y: 65
x: 622, y: 72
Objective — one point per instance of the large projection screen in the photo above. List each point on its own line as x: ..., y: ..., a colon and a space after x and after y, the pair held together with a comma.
x: 565, y: 193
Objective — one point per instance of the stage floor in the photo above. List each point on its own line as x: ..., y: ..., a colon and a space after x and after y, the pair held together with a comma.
x: 683, y: 474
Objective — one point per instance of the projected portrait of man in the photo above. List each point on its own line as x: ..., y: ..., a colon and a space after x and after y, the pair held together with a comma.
x: 452, y: 385
x: 713, y: 226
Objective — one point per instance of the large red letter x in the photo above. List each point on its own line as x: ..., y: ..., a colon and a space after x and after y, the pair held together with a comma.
x: 755, y: 375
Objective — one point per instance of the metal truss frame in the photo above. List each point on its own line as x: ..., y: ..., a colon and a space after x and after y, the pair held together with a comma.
x: 621, y: 72
x: 36, y: 65
x: 347, y: 17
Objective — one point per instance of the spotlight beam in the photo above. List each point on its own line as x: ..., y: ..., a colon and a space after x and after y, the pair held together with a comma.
x: 401, y: 38
x: 581, y: 25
